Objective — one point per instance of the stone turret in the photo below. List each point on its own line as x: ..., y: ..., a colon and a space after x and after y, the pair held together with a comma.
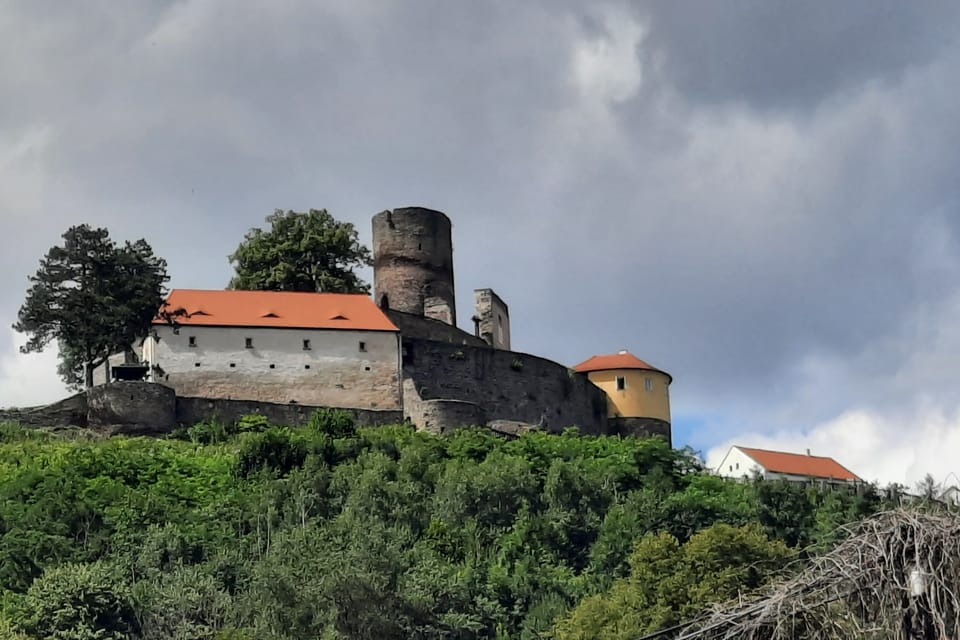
x: 413, y: 263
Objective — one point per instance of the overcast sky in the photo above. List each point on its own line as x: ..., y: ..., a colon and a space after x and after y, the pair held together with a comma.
x: 761, y: 197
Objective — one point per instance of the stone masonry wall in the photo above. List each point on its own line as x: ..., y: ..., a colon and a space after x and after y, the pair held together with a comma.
x: 642, y: 427
x: 193, y: 410
x: 414, y: 326
x: 493, y: 318
x: 442, y: 416
x: 507, y: 385
x: 69, y: 412
x: 132, y: 408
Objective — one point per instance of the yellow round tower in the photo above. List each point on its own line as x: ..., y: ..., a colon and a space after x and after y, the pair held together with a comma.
x: 638, y: 394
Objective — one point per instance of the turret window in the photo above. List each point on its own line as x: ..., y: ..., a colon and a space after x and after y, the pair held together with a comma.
x: 648, y: 383
x: 621, y: 383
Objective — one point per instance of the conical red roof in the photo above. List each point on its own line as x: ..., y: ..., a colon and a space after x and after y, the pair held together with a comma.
x: 622, y: 360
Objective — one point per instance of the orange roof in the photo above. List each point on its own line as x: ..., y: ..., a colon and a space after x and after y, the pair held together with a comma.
x: 797, y: 464
x: 281, y: 309
x: 622, y: 360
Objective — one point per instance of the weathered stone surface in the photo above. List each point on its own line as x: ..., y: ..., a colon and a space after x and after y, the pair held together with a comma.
x: 414, y: 326
x: 413, y: 263
x: 642, y: 427
x: 132, y: 407
x: 508, y: 385
x: 492, y: 318
x: 69, y: 412
x: 193, y: 410
x: 442, y: 416
x: 511, y: 427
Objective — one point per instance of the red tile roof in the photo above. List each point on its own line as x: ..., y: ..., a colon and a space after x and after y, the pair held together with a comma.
x: 621, y: 360
x: 797, y: 464
x: 281, y: 309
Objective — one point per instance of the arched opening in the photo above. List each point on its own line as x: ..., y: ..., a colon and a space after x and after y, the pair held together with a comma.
x: 384, y: 303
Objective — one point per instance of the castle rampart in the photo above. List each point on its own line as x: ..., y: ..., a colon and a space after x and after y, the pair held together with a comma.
x: 508, y: 385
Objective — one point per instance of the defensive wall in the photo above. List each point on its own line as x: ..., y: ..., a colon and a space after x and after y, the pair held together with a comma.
x: 506, y: 385
x: 414, y: 326
x: 147, y: 408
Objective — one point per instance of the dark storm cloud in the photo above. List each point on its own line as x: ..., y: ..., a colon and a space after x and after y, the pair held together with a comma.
x: 794, y: 55
x: 732, y: 190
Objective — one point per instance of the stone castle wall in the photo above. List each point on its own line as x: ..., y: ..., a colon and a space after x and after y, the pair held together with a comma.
x: 190, y: 411
x: 414, y: 326
x: 132, y: 408
x: 147, y: 408
x: 507, y: 385
x: 641, y: 428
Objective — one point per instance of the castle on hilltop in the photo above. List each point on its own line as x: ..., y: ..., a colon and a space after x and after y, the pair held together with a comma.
x: 399, y: 356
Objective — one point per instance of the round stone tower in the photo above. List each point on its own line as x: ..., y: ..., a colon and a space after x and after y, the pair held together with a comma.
x: 413, y: 263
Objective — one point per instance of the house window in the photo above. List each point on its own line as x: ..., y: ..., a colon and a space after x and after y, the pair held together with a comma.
x: 648, y: 383
x: 306, y: 345
x: 192, y: 341
x: 363, y: 346
x: 248, y: 343
x: 738, y: 465
x: 731, y: 467
x: 621, y: 383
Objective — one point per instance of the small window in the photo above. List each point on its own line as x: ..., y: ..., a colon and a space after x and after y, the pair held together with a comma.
x: 306, y: 345
x: 306, y: 366
x: 648, y: 383
x: 363, y: 346
x: 233, y: 365
x: 366, y: 368
x: 621, y: 383
x: 738, y: 465
x: 192, y: 341
x: 196, y: 364
x: 273, y: 366
x: 248, y: 343
x: 731, y: 467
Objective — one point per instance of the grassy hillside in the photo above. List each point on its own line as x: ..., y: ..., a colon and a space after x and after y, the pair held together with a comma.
x: 331, y: 532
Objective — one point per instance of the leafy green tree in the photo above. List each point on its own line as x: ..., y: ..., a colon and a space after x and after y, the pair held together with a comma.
x: 309, y: 251
x: 94, y: 298
x: 80, y: 602
x: 670, y: 582
x: 786, y: 512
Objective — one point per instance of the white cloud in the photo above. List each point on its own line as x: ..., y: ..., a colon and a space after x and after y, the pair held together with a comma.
x: 29, y: 380
x: 607, y: 69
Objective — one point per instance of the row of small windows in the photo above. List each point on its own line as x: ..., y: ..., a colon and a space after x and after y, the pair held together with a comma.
x: 248, y: 343
x: 622, y: 383
x: 233, y: 365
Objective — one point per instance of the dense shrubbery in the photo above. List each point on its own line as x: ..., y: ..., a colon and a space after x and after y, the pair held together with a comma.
x: 327, y: 531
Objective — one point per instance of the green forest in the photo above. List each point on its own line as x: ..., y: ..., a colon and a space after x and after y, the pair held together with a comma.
x: 258, y: 531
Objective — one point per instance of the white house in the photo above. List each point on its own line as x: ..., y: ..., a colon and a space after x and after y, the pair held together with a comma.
x: 324, y: 349
x: 743, y: 462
